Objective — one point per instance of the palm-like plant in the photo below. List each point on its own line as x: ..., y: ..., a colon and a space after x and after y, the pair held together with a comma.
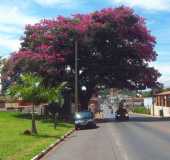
x: 30, y: 88
x: 55, y: 100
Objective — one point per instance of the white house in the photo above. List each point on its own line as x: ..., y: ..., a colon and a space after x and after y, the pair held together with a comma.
x: 161, y: 104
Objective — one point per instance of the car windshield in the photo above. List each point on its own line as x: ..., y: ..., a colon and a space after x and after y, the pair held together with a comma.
x: 83, y: 115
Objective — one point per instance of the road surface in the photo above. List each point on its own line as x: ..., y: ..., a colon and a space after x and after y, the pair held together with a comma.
x: 141, y: 138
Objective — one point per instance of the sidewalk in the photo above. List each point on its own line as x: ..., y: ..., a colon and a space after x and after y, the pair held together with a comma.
x: 146, y: 115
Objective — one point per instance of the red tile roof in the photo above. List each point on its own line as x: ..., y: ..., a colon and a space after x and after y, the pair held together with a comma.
x: 163, y: 93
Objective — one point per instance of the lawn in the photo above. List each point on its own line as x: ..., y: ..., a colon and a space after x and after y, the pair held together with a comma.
x: 141, y: 109
x: 14, y: 145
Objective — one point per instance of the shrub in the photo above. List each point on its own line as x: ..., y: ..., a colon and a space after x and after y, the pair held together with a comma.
x: 141, y: 109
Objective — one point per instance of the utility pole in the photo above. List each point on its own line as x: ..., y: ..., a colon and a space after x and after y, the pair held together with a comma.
x: 153, y: 109
x: 76, y: 76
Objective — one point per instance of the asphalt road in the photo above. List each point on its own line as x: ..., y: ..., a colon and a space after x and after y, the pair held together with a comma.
x: 141, y: 138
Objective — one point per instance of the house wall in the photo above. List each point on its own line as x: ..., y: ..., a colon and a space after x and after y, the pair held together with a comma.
x: 11, y: 105
x: 24, y: 108
x: 38, y: 109
x: 93, y: 104
x: 148, y: 102
x: 166, y: 111
x: 161, y: 102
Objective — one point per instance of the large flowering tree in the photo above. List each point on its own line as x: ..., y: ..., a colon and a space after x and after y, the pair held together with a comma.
x: 114, y: 49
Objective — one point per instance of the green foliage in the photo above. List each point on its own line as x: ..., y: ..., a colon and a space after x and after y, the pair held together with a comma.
x: 147, y: 93
x: 128, y: 92
x: 104, y: 92
x: 29, y: 87
x: 142, y: 110
x: 55, y: 94
x: 7, y: 99
x: 165, y: 89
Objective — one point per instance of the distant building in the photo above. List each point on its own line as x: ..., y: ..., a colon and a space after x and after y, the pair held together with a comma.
x: 131, y: 102
x: 161, y: 104
x: 20, y: 105
x: 93, y: 104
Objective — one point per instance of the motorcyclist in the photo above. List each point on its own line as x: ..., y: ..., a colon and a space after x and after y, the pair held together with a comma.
x: 122, y: 111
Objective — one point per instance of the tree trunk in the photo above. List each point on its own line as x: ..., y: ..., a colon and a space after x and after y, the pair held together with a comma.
x: 55, y: 120
x: 34, y: 129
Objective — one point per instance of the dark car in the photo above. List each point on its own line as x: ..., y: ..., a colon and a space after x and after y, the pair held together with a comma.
x: 121, y: 114
x: 84, y: 119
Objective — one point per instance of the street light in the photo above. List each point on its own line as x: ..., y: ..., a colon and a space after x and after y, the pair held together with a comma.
x: 83, y: 88
x: 68, y: 68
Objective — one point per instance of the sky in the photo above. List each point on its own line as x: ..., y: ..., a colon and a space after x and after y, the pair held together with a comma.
x: 15, y: 14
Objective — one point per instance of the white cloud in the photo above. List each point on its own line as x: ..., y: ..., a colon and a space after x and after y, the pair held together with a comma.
x: 164, y: 69
x: 59, y: 3
x: 145, y: 4
x: 13, y: 15
x: 9, y: 42
x: 165, y: 80
x: 52, y: 2
x: 10, y: 29
x: 12, y: 23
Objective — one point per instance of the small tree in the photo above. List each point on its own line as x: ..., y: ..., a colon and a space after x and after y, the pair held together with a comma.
x: 55, y: 99
x: 30, y: 88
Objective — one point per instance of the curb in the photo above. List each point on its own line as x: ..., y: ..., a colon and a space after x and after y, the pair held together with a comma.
x: 146, y: 115
x: 45, y: 151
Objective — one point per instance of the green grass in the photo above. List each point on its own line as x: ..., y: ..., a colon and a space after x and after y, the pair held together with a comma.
x: 141, y: 109
x: 14, y: 145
